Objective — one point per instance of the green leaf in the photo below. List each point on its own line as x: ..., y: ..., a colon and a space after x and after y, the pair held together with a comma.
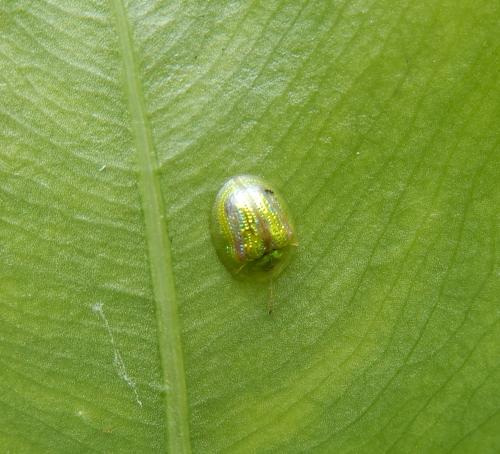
x: 120, y: 331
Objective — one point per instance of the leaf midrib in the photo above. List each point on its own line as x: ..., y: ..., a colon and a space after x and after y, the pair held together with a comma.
x: 158, y: 244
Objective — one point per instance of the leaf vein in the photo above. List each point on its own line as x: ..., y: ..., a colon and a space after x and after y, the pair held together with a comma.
x: 157, y: 242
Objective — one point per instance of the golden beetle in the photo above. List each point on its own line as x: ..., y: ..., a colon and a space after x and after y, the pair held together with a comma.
x: 252, y: 229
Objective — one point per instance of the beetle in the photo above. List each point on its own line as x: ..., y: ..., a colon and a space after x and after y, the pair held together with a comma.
x: 252, y: 229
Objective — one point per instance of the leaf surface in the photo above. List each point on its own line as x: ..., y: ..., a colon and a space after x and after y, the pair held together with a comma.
x: 119, y: 329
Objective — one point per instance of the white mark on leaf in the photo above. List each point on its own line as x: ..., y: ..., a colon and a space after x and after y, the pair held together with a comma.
x: 82, y: 414
x: 162, y: 388
x: 98, y: 309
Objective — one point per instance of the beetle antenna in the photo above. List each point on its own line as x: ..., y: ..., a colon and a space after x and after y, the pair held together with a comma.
x: 271, y: 297
x: 240, y: 268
